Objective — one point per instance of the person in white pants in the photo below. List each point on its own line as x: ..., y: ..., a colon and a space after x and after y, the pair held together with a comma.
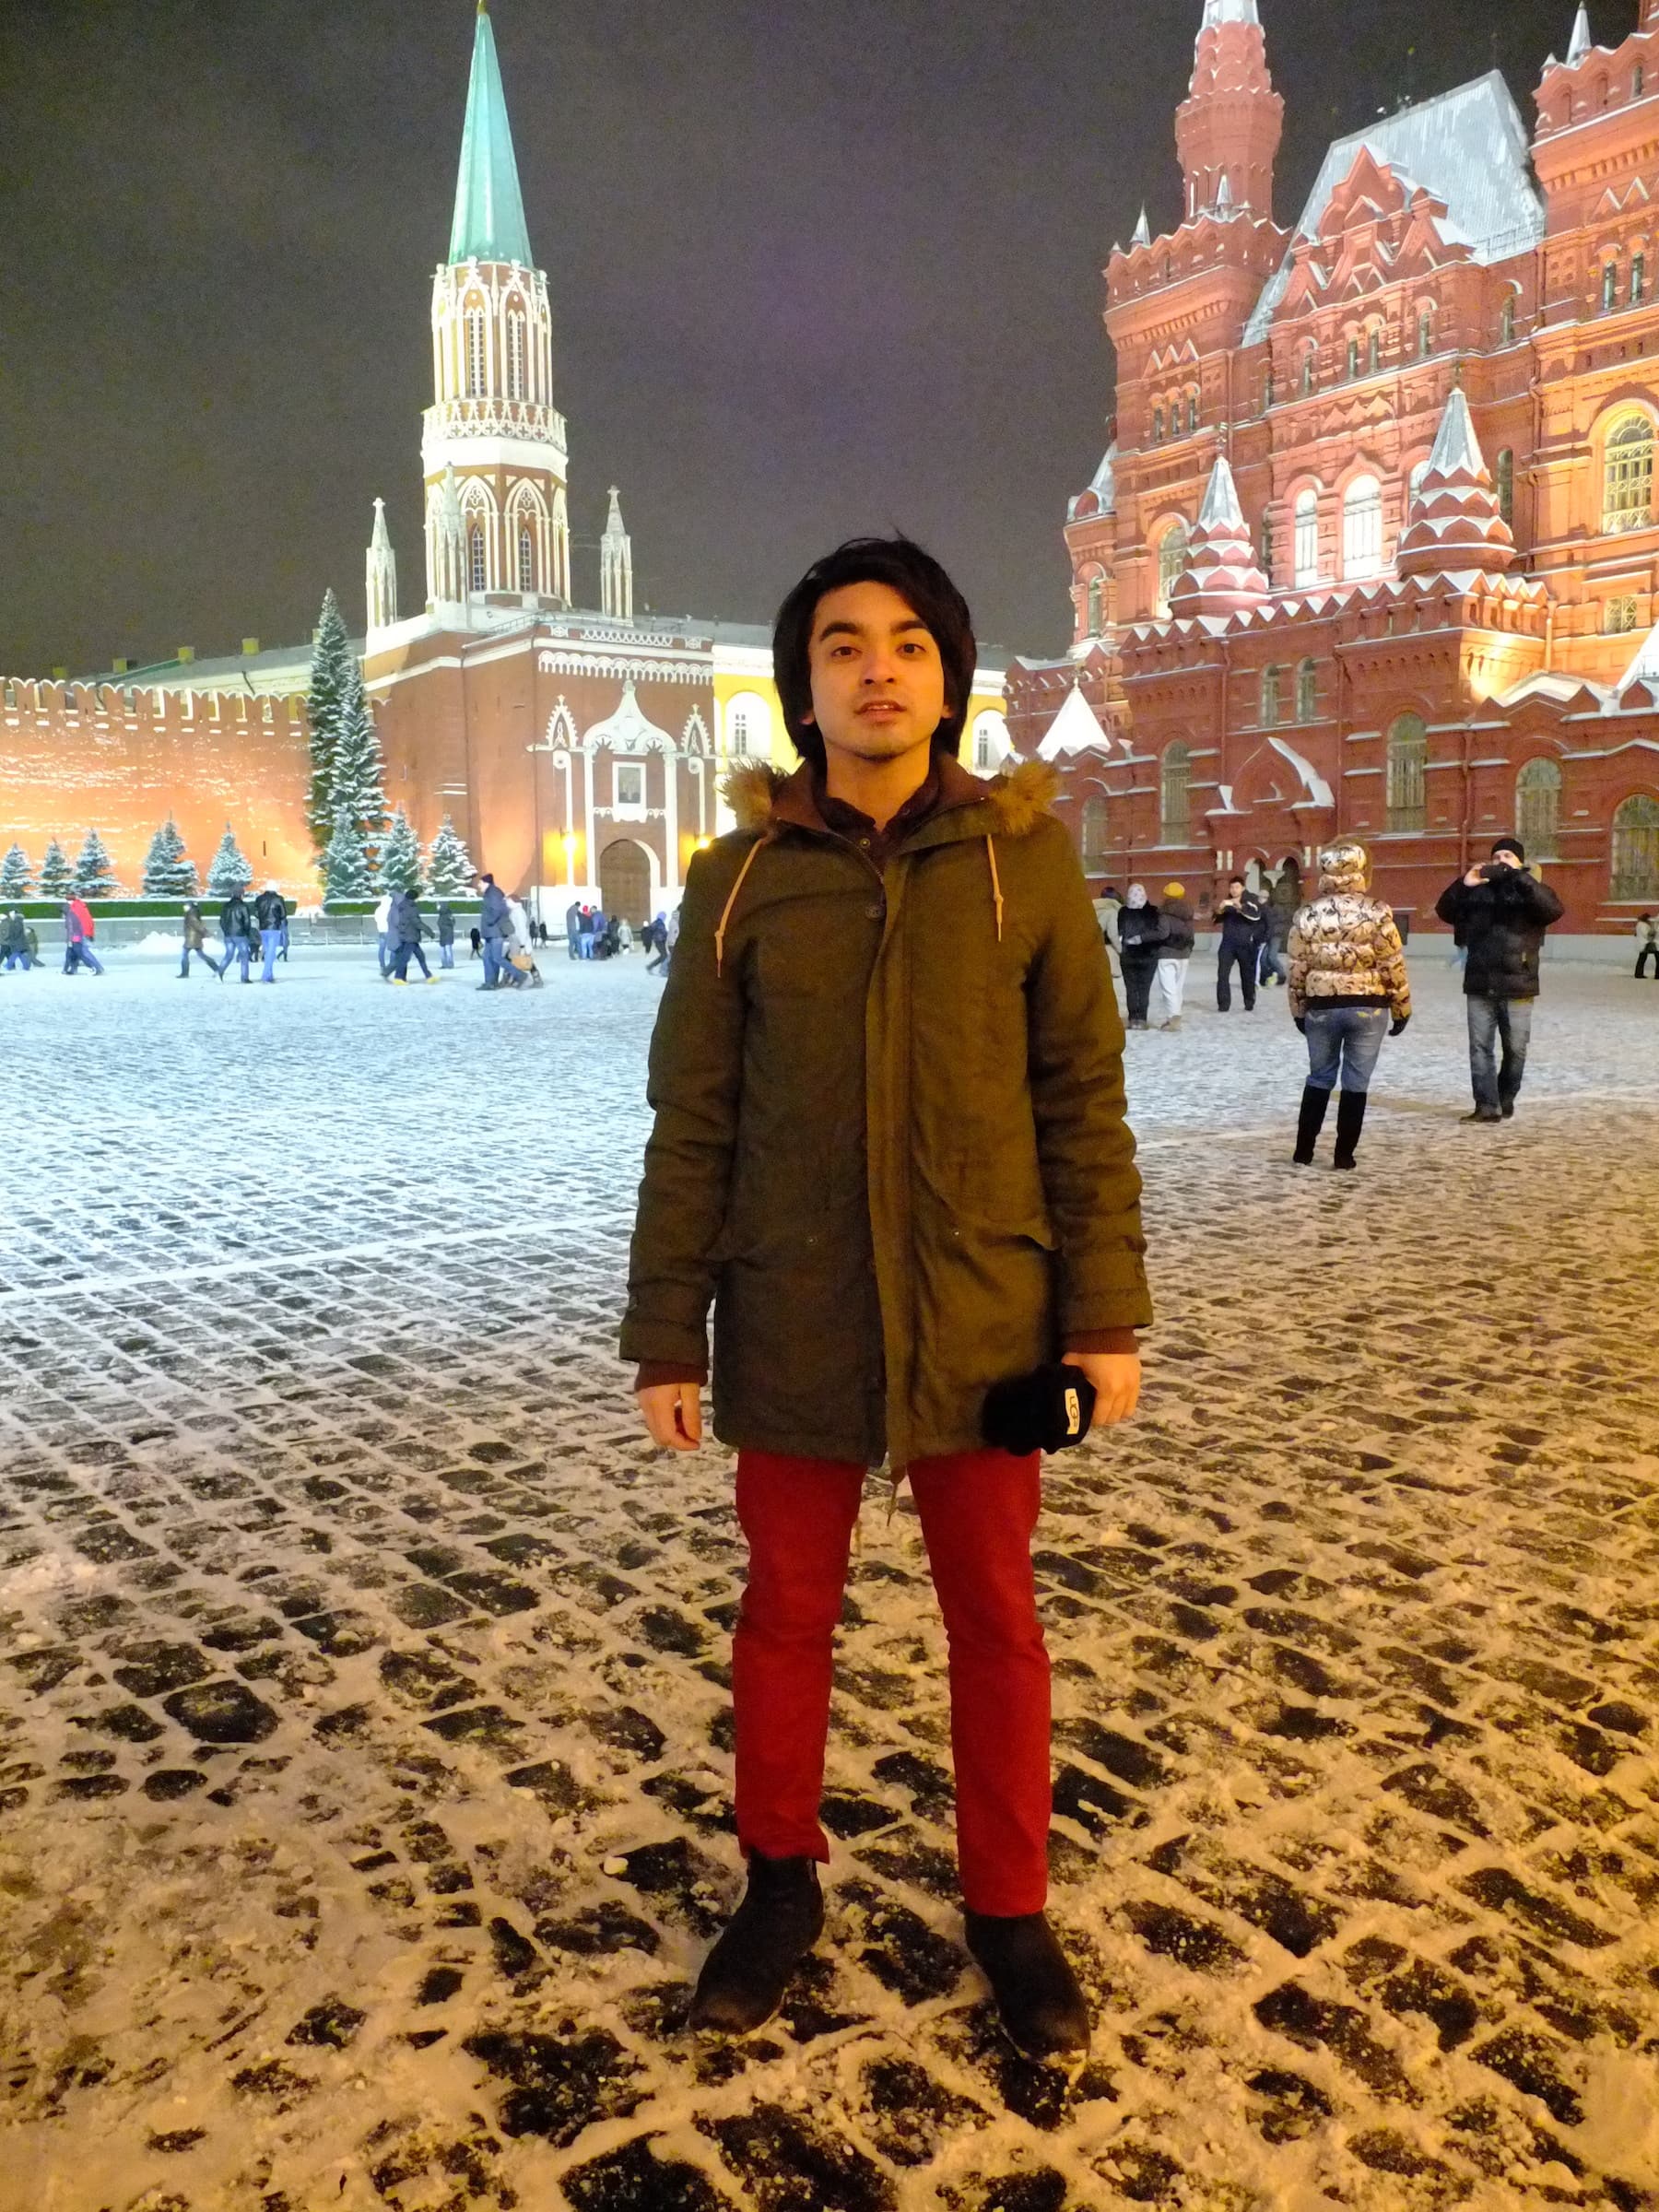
x: 1175, y: 941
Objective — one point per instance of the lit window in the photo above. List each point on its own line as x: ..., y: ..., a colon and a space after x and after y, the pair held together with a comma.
x: 1097, y: 606
x: 1272, y: 696
x: 1171, y: 560
x: 1620, y: 616
x: 475, y: 558
x: 1362, y: 528
x: 1636, y: 849
x: 1175, y: 796
x: 1610, y: 286
x: 1628, y: 477
x: 1504, y: 476
x: 527, y: 549
x: 515, y: 356
x: 1307, y: 536
x: 1538, y: 807
x: 1407, y: 794
x: 741, y: 731
x: 475, y: 352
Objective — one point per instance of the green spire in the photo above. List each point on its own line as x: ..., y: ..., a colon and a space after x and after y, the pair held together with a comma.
x: 489, y: 208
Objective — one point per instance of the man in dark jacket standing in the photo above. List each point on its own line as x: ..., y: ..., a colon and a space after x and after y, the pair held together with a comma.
x: 1499, y: 911
x: 270, y: 914
x: 1241, y: 919
x: 495, y: 921
x: 236, y: 925
x: 890, y: 1146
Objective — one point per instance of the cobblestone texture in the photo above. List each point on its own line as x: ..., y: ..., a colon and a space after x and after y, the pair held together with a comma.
x: 364, y: 1742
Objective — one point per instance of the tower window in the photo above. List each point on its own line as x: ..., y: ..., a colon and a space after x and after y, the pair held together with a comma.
x: 1506, y: 321
x: 1192, y: 412
x: 1610, y: 286
x: 1267, y: 547
x: 1268, y: 388
x: 475, y: 352
x: 1373, y: 351
x: 1307, y: 536
x: 1407, y: 793
x: 527, y: 549
x: 1171, y: 560
x: 1637, y: 81
x: 1307, y: 691
x: 1620, y: 616
x: 1628, y: 477
x: 1362, y: 528
x: 1272, y: 696
x: 1505, y: 479
x: 1157, y: 426
x: 1310, y: 369
x: 1637, y: 279
x: 515, y: 356
x: 1097, y: 606
x: 475, y: 558
x: 1353, y: 358
x: 1175, y: 796
x: 1425, y: 334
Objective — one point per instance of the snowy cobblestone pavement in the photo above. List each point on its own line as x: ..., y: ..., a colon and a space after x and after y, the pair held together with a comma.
x: 364, y: 1747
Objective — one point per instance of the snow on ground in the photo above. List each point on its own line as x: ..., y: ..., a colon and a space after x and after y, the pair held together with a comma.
x: 364, y: 1743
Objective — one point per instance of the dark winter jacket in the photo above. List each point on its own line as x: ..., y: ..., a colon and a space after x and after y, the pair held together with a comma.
x: 270, y: 911
x: 1137, y: 936
x: 196, y: 936
x: 235, y: 920
x: 11, y: 934
x: 494, y: 918
x: 446, y: 922
x: 404, y: 922
x: 1175, y: 934
x: 1242, y: 925
x: 1502, y: 922
x: 891, y: 1142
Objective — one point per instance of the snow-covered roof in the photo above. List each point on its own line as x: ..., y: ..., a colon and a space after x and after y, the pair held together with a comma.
x: 1644, y: 668
x: 1468, y: 148
x: 1073, y: 730
x: 1216, y: 11
x: 1316, y: 791
x: 1104, y: 485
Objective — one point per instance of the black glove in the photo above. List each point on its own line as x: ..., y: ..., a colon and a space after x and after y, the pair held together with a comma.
x: 1043, y: 1412
x: 1301, y: 1025
x: 1398, y: 1027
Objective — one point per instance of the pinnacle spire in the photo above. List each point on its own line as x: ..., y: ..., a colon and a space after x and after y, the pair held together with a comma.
x: 1455, y: 524
x: 381, y: 573
x: 1222, y: 576
x: 616, y: 565
x: 1216, y: 11
x: 490, y: 207
x: 1580, y: 41
x: 1143, y: 231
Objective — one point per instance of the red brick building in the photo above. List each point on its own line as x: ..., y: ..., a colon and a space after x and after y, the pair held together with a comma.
x: 1373, y: 548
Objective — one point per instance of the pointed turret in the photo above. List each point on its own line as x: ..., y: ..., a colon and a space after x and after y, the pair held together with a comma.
x: 1222, y: 576
x: 616, y: 565
x: 1143, y: 230
x: 446, y: 544
x: 1231, y: 121
x: 1454, y: 525
x: 489, y: 208
x: 381, y: 573
x: 1579, y: 45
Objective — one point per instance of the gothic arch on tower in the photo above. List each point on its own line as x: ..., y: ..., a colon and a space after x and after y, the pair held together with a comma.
x: 694, y: 737
x: 528, y: 532
x: 561, y: 726
x: 480, y: 529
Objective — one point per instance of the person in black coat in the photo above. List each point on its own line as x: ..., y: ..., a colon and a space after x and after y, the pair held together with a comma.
x: 236, y: 925
x: 1137, y: 949
x: 1242, y: 917
x: 1501, y: 911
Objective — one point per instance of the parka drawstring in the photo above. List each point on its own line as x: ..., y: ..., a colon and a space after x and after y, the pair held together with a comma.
x: 996, y: 886
x: 720, y: 934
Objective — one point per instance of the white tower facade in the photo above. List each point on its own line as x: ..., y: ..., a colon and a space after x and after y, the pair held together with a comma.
x: 382, y: 575
x: 616, y: 566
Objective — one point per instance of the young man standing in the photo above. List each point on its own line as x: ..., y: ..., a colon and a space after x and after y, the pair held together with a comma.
x: 1242, y: 917
x: 1499, y: 911
x: 890, y: 1148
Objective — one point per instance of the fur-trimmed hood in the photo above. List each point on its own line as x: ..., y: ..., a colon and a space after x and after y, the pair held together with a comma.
x: 765, y: 798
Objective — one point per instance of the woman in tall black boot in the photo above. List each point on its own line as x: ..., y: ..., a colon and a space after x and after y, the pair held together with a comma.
x: 1348, y: 988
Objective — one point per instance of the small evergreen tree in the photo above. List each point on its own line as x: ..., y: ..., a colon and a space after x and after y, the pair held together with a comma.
x: 450, y: 864
x: 229, y: 872
x: 57, y: 878
x: 400, y: 868
x: 15, y: 877
x: 332, y: 665
x: 94, y: 875
x: 345, y: 870
x: 169, y: 871
x: 359, y: 774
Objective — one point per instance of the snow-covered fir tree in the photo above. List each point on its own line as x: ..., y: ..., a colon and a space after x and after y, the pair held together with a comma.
x: 400, y: 868
x: 94, y: 872
x: 332, y: 667
x: 57, y: 878
x: 169, y: 871
x: 449, y: 863
x: 345, y: 870
x: 14, y: 877
x: 229, y: 872
x: 359, y: 774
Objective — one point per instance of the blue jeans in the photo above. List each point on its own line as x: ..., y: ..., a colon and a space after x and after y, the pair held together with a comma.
x: 385, y: 953
x: 1490, y: 1019
x: 237, y: 948
x: 1347, y: 1038
x: 81, y: 955
x: 21, y: 958
x: 400, y: 961
x: 492, y: 961
x: 446, y: 956
x: 271, y: 939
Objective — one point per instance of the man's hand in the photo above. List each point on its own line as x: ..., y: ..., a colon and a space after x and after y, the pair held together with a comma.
x: 1117, y: 1379
x: 1474, y: 879
x: 673, y: 1413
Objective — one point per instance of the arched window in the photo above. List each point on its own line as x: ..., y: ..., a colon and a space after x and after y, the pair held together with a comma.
x: 1362, y: 528
x: 1157, y: 426
x: 1268, y: 388
x: 1353, y: 358
x: 1636, y: 849
x: 1273, y: 697
x: 1310, y: 369
x: 1503, y: 476
x: 515, y: 356
x: 1414, y: 484
x: 1637, y: 279
x: 1307, y: 536
x: 1096, y: 832
x: 1307, y: 691
x: 1373, y: 351
x: 1637, y: 81
x: 1175, y: 799
x: 1538, y: 807
x: 1628, y: 475
x: 1407, y: 794
x: 1171, y: 560
x: 739, y: 733
x: 990, y: 736
x: 526, y: 559
x: 1267, y: 547
x: 476, y: 568
x: 1610, y: 286
x: 1425, y: 334
x: 1097, y: 606
x: 1192, y: 412
x: 475, y: 352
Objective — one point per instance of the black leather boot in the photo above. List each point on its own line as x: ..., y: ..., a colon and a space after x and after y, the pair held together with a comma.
x: 1351, y: 1120
x: 745, y: 1974
x: 1044, y: 2013
x: 1308, y: 1126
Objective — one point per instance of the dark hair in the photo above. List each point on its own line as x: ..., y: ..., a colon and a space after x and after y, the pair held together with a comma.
x: 923, y: 586
x: 1238, y: 879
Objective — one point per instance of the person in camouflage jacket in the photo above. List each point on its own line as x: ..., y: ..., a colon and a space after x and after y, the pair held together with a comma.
x: 1348, y: 985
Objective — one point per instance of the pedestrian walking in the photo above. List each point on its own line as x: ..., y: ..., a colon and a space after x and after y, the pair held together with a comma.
x: 495, y: 924
x: 1499, y: 911
x: 383, y: 931
x: 1647, y: 942
x: 1137, y: 949
x: 1348, y: 989
x: 196, y: 941
x: 657, y: 943
x: 886, y: 952
x: 1175, y: 939
x: 270, y: 915
x: 406, y: 929
x: 446, y: 933
x: 80, y: 931
x: 236, y: 926
x: 1108, y: 906
x: 1242, y: 916
x: 16, y: 950
x: 1280, y: 911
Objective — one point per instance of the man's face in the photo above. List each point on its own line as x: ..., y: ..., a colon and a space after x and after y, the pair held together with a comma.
x: 878, y: 680
x: 1237, y: 886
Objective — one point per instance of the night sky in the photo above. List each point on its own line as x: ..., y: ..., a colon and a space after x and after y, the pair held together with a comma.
x: 815, y: 269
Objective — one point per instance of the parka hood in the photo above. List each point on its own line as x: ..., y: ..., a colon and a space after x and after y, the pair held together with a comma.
x: 1342, y: 868
x: 764, y: 798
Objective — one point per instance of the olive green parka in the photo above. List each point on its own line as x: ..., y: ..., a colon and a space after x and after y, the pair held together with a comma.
x: 889, y: 1143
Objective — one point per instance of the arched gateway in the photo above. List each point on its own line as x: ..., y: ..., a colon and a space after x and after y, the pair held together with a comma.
x: 625, y: 880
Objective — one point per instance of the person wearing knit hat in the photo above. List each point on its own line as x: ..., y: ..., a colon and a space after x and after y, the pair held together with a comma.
x: 1175, y: 941
x: 1499, y: 911
x: 1349, y: 990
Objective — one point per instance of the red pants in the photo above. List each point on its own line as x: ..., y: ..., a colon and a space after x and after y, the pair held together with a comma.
x: 978, y: 1511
